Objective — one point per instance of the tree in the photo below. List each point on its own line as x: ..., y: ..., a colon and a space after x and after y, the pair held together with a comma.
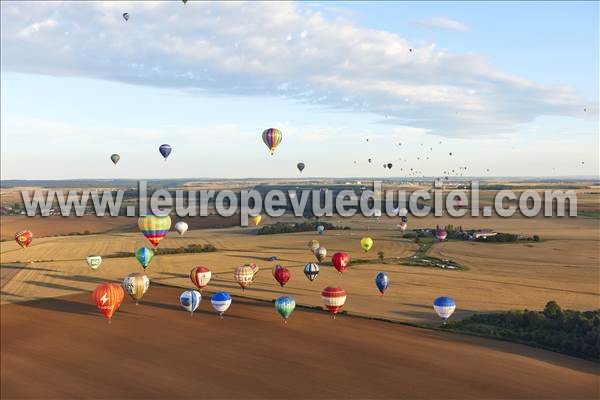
x: 552, y: 310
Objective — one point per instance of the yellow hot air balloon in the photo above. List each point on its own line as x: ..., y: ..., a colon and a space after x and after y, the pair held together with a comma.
x: 154, y: 227
x: 255, y: 219
x: 366, y: 243
x: 136, y: 285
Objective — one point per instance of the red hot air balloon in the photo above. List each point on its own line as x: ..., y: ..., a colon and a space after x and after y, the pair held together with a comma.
x: 200, y: 276
x: 441, y: 235
x: 334, y: 299
x: 24, y: 238
x: 340, y: 261
x: 282, y: 275
x: 108, y: 298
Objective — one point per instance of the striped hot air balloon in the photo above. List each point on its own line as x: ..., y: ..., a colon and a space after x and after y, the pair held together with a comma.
x: 311, y: 270
x: 272, y: 137
x: 200, y: 276
x: 144, y: 256
x: 334, y: 299
x: 154, y: 227
x: 444, y: 307
x: 190, y: 300
x: 441, y: 235
x: 24, y: 238
x: 284, y: 306
x: 221, y: 302
x: 136, y: 285
x: 243, y: 276
x: 108, y: 298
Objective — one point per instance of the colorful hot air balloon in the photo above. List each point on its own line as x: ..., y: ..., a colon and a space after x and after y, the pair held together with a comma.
x: 313, y: 245
x: 243, y: 276
x: 126, y: 16
x: 144, y: 256
x: 190, y: 300
x: 300, y: 166
x: 136, y: 285
x: 366, y: 243
x: 165, y: 150
x: 154, y: 227
x: 254, y: 269
x: 441, y: 235
x: 340, y: 261
x: 255, y: 219
x: 221, y: 302
x: 200, y: 276
x: 320, y: 229
x: 275, y: 268
x: 115, y: 158
x: 272, y: 137
x: 311, y: 270
x: 181, y: 227
x: 24, y: 238
x: 282, y: 275
x: 108, y: 298
x: 444, y: 307
x: 402, y: 225
x: 334, y: 299
x: 382, y: 282
x: 93, y: 261
x: 321, y: 253
x: 284, y: 306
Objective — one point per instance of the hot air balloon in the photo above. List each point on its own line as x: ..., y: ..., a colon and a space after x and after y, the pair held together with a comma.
x: 136, y: 285
x: 144, y: 256
x: 340, y: 261
x: 382, y: 282
x: 313, y: 245
x: 444, y: 307
x: 93, y: 261
x: 243, y: 276
x: 321, y: 253
x: 190, y: 300
x: 254, y: 269
x: 221, y: 302
x: 255, y: 219
x: 389, y: 165
x: 402, y: 225
x: 154, y: 227
x: 275, y: 268
x: 115, y: 158
x: 272, y: 137
x: 282, y: 275
x: 284, y: 306
x: 311, y: 270
x: 441, y: 235
x: 126, y: 16
x: 334, y: 299
x: 181, y: 227
x: 403, y: 212
x: 24, y: 238
x: 300, y: 166
x: 320, y: 229
x: 165, y: 150
x: 384, y: 165
x: 184, y: 1
x: 200, y: 276
x: 108, y: 298
x: 377, y: 213
x: 366, y: 243
x: 369, y: 160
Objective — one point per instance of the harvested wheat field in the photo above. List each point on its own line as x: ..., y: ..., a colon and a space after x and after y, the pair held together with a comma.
x: 156, y: 350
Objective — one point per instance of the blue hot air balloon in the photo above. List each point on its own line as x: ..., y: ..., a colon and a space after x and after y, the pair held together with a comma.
x: 382, y: 281
x: 221, y: 302
x: 190, y: 300
x: 320, y: 229
x: 165, y: 150
x: 444, y: 307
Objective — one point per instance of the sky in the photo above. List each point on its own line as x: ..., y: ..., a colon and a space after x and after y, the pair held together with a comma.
x: 510, y: 89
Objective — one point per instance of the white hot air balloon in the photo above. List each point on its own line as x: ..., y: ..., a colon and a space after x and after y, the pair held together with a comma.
x: 93, y: 261
x: 181, y: 227
x: 190, y: 300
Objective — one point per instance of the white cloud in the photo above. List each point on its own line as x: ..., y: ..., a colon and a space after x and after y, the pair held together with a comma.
x: 444, y: 23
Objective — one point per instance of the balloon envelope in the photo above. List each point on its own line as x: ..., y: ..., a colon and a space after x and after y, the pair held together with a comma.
x: 311, y: 270
x: 366, y: 243
x: 255, y: 219
x: 144, y: 256
x: 444, y: 307
x: 284, y: 306
x: 382, y: 281
x: 154, y: 227
x: 181, y: 227
x: 190, y: 300
x: 340, y: 261
x: 320, y: 229
x: 243, y: 276
x: 333, y: 298
x: 108, y: 298
x: 126, y: 16
x: 282, y: 275
x: 441, y: 235
x: 313, y: 245
x: 300, y: 166
x: 221, y: 302
x: 93, y: 261
x: 321, y: 253
x: 200, y: 276
x: 115, y: 158
x: 136, y: 285
x: 272, y: 137
x: 24, y: 238
x: 165, y: 150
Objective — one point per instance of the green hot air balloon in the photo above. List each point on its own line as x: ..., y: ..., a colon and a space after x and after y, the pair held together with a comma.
x: 144, y: 256
x: 284, y: 306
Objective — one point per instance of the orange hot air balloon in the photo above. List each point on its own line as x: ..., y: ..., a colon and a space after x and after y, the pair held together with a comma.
x: 108, y: 298
x: 24, y: 238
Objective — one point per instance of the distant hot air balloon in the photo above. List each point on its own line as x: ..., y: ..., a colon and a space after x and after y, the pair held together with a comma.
x: 184, y: 1
x: 275, y: 268
x: 115, y: 158
x: 181, y: 227
x: 385, y: 166
x: 402, y: 225
x: 243, y: 276
x: 320, y: 229
x: 24, y: 238
x: 126, y: 16
x: 254, y: 269
x: 136, y: 285
x: 154, y: 227
x: 200, y: 276
x: 450, y: 154
x: 441, y: 235
x: 221, y: 302
x: 300, y: 166
x: 311, y: 270
x: 403, y: 212
x: 382, y: 282
x: 284, y: 306
x: 165, y: 150
x: 389, y: 165
x: 321, y: 253
x: 255, y: 219
x: 190, y: 300
x: 369, y: 160
x: 282, y: 275
x: 366, y: 243
x: 444, y: 307
x: 313, y: 245
x: 377, y: 213
x: 340, y: 261
x: 93, y: 261
x: 144, y: 256
x: 108, y: 298
x: 272, y: 137
x: 334, y: 299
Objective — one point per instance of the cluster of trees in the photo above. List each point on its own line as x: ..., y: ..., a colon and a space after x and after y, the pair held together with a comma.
x: 280, y: 227
x: 192, y: 248
x: 576, y: 333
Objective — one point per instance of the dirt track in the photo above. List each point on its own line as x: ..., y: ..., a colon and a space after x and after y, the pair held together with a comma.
x: 63, y: 348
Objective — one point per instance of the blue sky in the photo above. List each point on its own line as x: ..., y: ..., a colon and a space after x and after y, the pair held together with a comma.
x: 503, y: 86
